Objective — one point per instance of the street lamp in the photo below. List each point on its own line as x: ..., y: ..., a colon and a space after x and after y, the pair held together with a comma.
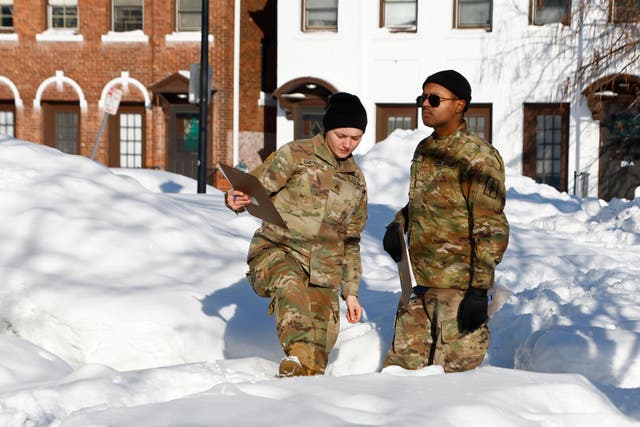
x: 204, y: 97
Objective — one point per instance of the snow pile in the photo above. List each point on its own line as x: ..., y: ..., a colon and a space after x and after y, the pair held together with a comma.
x: 124, y: 302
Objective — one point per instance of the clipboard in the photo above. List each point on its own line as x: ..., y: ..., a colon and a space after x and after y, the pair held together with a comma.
x: 404, y: 271
x: 261, y: 205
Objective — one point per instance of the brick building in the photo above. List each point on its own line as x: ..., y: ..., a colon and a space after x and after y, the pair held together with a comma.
x: 62, y: 58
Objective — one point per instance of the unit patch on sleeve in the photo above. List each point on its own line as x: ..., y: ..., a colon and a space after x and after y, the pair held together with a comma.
x: 491, y: 187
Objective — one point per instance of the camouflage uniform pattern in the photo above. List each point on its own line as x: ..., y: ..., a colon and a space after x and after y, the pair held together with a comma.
x: 426, y: 333
x: 306, y: 316
x: 323, y: 202
x: 457, y: 231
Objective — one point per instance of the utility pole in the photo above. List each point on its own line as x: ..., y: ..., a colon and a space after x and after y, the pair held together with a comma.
x: 204, y: 97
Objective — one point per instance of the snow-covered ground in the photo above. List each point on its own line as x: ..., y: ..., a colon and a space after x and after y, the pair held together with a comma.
x: 123, y: 302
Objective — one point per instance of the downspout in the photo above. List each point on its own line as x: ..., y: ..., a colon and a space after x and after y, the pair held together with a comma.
x: 236, y: 80
x: 577, y: 174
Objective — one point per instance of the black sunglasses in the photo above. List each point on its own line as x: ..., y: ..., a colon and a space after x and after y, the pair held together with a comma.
x: 434, y: 100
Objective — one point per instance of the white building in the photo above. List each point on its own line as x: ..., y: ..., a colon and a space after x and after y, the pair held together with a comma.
x: 518, y: 56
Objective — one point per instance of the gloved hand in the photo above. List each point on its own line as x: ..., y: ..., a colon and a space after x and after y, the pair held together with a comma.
x: 391, y: 241
x: 472, y: 311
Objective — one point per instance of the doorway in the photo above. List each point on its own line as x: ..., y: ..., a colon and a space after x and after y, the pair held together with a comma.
x: 620, y: 151
x: 183, y: 140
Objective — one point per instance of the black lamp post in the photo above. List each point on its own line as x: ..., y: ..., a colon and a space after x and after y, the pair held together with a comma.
x: 204, y: 98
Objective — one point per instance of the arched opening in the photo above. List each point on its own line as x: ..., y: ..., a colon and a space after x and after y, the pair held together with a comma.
x: 304, y: 100
x: 615, y: 101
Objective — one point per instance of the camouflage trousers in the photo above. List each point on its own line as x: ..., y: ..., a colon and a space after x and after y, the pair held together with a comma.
x: 426, y: 333
x: 306, y: 316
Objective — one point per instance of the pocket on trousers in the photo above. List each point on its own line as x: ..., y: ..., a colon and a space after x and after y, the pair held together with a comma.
x: 449, y: 331
x: 259, y: 275
x: 255, y: 284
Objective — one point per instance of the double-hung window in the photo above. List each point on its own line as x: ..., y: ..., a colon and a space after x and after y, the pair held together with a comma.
x: 188, y: 15
x: 63, y: 14
x: 399, y: 15
x: 6, y: 15
x: 473, y: 14
x: 7, y: 119
x: 127, y: 15
x: 478, y: 119
x: 550, y: 11
x: 546, y: 144
x: 320, y: 15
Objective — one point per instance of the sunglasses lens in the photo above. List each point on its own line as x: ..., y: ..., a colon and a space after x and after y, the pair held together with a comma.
x: 434, y: 100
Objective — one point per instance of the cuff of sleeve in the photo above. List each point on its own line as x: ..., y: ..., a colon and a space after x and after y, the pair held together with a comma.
x: 349, y: 290
x: 482, y: 281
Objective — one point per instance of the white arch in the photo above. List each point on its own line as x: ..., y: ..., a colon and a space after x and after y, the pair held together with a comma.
x: 14, y: 89
x: 124, y: 80
x: 59, y: 79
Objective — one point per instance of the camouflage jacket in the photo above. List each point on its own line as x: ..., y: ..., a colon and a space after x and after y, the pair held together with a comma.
x: 324, y: 204
x: 457, y: 230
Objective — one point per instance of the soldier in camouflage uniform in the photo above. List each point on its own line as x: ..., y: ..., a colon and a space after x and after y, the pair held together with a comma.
x: 320, y: 192
x: 457, y: 233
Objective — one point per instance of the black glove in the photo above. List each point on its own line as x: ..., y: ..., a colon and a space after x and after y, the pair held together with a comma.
x: 391, y: 241
x: 472, y: 311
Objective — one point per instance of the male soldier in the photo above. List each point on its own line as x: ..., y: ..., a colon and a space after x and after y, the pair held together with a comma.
x: 320, y: 192
x: 457, y: 233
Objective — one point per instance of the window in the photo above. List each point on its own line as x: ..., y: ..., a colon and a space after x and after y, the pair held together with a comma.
x: 390, y: 117
x: 320, y: 15
x: 188, y: 15
x: 62, y: 122
x: 308, y: 121
x: 473, y: 14
x: 7, y: 120
x: 127, y: 15
x: 6, y: 14
x: 63, y: 14
x: 546, y: 143
x: 625, y: 10
x: 478, y: 119
x: 126, y: 137
x: 550, y: 11
x: 399, y: 15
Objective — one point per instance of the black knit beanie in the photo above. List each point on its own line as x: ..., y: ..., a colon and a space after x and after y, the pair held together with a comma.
x: 344, y: 111
x: 455, y: 82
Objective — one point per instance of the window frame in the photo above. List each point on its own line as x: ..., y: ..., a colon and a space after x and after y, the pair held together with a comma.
x: 9, y: 107
x: 386, y: 110
x: 114, y: 16
x: 50, y: 109
x: 458, y: 25
x: 615, y: 19
x: 64, y: 4
x: 179, y: 12
x: 308, y: 28
x: 115, y: 140
x: 3, y: 5
x: 530, y: 146
x: 398, y: 28
x: 565, y: 20
x: 484, y: 110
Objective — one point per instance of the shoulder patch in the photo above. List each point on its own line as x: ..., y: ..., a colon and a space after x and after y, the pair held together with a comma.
x: 491, y: 187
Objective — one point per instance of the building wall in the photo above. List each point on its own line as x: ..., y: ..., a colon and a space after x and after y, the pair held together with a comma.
x: 257, y: 81
x: 513, y: 64
x: 92, y: 63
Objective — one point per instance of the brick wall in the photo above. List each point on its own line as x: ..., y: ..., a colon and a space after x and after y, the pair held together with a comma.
x: 92, y: 63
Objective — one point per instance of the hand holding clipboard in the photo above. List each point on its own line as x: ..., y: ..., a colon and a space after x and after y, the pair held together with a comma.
x: 261, y: 205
